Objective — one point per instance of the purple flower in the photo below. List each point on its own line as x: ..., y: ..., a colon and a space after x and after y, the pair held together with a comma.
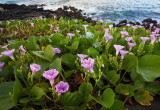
x: 77, y: 31
x: 1, y: 56
x: 123, y: 53
x: 118, y: 48
x: 70, y: 35
x: 151, y: 24
x: 128, y: 39
x: 8, y: 22
x: 144, y: 39
x: 15, y: 32
x: 0, y: 22
x: 131, y: 45
x: 34, y: 68
x: 62, y: 87
x: 1, y: 29
x: 56, y: 50
x: 88, y: 64
x: 1, y: 65
x: 134, y: 27
x: 110, y: 26
x: 108, y: 37
x: 85, y: 25
x: 82, y: 57
x: 140, y: 26
x: 9, y: 53
x: 50, y: 75
x: 51, y: 26
x: 56, y: 30
x: 153, y: 39
x: 5, y: 47
x: 124, y: 33
x: 106, y: 32
x: 22, y: 50
x: 32, y: 24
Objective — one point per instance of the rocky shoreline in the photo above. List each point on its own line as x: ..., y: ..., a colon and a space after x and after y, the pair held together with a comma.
x: 14, y: 11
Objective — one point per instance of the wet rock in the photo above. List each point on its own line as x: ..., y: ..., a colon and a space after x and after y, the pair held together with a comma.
x: 158, y: 25
x: 123, y: 21
x: 138, y: 23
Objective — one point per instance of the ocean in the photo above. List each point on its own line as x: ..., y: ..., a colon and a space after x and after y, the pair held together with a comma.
x: 104, y: 10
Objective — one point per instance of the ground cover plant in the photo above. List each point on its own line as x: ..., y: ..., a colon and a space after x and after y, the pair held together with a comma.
x: 54, y: 64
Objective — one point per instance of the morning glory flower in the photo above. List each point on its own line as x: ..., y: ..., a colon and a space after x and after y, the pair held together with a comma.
x: 22, y: 50
x: 82, y: 57
x: 56, y: 50
x: 62, y: 87
x: 118, y: 48
x: 34, y: 68
x: 131, y: 45
x: 1, y: 56
x: 0, y: 22
x: 32, y: 24
x: 77, y: 31
x: 88, y: 64
x: 5, y: 47
x: 108, y: 37
x: 134, y: 27
x: 51, y: 26
x: 123, y: 53
x: 153, y: 39
x: 85, y: 26
x: 8, y: 22
x: 106, y: 32
x: 151, y: 24
x: 128, y: 39
x: 50, y: 75
x: 1, y: 29
x: 15, y: 32
x: 56, y: 30
x: 70, y: 35
x: 9, y: 53
x: 110, y: 26
x: 1, y: 65
x: 144, y: 39
x: 124, y: 33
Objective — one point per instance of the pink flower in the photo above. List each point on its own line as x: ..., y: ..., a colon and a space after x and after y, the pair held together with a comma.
x: 88, y: 64
x: 108, y: 37
x: 15, y: 32
x: 32, y: 24
x: 153, y: 39
x: 134, y: 27
x: 62, y: 87
x: 85, y: 25
x: 124, y: 33
x: 106, y: 32
x: 9, y: 53
x: 1, y: 65
x: 8, y: 22
x: 151, y: 24
x: 34, y: 68
x: 56, y: 50
x: 70, y: 35
x: 5, y: 47
x: 144, y: 39
x: 110, y: 26
x: 22, y: 50
x: 128, y: 39
x: 0, y: 22
x: 1, y: 29
x: 77, y: 31
x: 123, y: 53
x: 1, y: 56
x: 82, y: 57
x: 51, y: 26
x: 131, y: 45
x: 56, y: 30
x: 118, y: 48
x: 50, y: 75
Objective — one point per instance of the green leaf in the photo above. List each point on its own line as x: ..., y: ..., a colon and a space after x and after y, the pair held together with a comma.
x: 48, y: 52
x: 153, y: 88
x: 6, y: 88
x: 130, y: 62
x: 74, y: 46
x: 39, y: 54
x: 68, y: 59
x: 17, y: 91
x: 149, y: 67
x: 89, y: 35
x: 125, y: 89
x: 37, y: 92
x: 85, y: 88
x: 56, y: 65
x: 112, y: 76
x: 93, y: 52
x: 32, y: 46
x: 71, y: 99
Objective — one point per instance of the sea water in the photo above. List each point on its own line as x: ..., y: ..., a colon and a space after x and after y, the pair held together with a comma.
x: 104, y: 10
